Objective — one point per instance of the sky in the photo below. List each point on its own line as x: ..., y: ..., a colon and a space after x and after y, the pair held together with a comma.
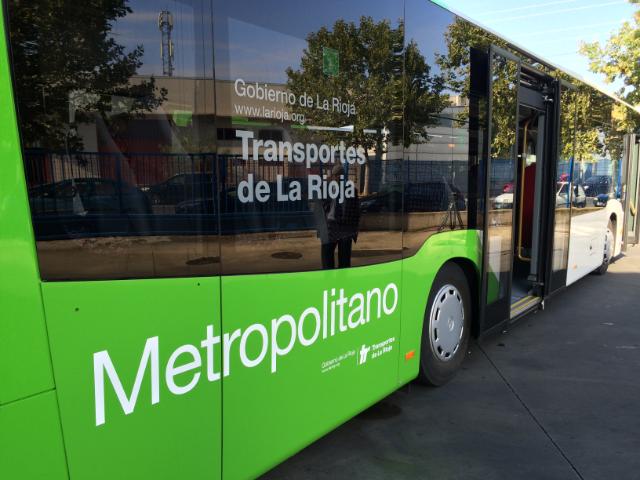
x: 552, y: 29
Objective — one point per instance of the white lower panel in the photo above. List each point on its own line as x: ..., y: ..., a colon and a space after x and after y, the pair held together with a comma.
x: 586, y: 242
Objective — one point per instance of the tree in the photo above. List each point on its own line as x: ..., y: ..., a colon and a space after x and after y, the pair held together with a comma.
x: 590, y: 112
x: 456, y: 66
x: 67, y: 63
x: 372, y: 60
x: 618, y: 58
x: 588, y: 115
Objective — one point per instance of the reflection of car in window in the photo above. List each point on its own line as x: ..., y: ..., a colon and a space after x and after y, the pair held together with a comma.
x: 268, y: 216
x: 505, y: 200
x: 181, y: 187
x: 601, y: 200
x: 597, y: 185
x: 88, y: 207
x: 245, y: 217
x: 562, y: 198
x: 418, y: 197
x: 83, y: 196
x: 389, y: 200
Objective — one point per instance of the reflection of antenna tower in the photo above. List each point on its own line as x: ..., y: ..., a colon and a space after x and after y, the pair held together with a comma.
x: 165, y: 24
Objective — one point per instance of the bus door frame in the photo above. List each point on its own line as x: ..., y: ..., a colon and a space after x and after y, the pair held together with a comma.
x: 493, y: 315
x: 547, y: 102
x: 630, y: 205
x: 555, y: 281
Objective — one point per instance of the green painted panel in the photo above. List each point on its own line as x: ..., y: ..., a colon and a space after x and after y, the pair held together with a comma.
x: 418, y: 273
x: 276, y: 404
x: 134, y: 327
x: 23, y: 336
x: 30, y: 440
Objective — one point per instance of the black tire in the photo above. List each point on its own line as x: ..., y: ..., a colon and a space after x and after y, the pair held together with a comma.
x: 435, y: 369
x: 606, y: 259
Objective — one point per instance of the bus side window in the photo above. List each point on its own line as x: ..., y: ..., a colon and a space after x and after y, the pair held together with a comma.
x: 106, y: 128
x: 310, y: 161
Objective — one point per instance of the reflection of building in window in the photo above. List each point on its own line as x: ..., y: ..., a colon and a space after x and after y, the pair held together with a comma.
x: 442, y: 151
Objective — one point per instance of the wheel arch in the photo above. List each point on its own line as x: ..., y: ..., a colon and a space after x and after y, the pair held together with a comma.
x: 461, y: 247
x: 433, y: 372
x: 473, y: 281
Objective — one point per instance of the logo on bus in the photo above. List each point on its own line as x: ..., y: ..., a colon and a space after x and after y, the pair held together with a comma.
x: 364, y: 352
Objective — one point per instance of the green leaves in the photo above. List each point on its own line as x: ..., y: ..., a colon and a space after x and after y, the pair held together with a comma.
x: 619, y: 58
x: 64, y: 51
x: 382, y: 78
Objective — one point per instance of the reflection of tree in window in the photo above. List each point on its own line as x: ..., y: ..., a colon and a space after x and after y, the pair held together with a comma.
x: 370, y: 77
x: 456, y: 71
x: 66, y: 60
x: 599, y: 128
x: 456, y: 63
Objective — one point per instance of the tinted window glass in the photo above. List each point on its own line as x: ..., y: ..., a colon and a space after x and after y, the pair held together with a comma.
x: 312, y: 92
x: 563, y: 200
x: 502, y: 176
x: 632, y: 185
x: 443, y: 125
x: 596, y: 168
x: 118, y: 139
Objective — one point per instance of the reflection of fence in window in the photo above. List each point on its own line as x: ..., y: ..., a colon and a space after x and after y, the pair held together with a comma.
x: 137, y: 169
x: 146, y: 170
x: 237, y: 169
x: 455, y: 172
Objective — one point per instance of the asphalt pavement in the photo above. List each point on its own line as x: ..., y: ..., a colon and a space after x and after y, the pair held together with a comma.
x: 556, y: 396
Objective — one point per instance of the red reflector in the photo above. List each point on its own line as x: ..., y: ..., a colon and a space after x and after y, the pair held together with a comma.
x: 409, y: 355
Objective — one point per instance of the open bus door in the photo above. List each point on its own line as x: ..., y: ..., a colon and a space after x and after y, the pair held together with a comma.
x: 499, y: 177
x: 520, y: 190
x: 562, y: 169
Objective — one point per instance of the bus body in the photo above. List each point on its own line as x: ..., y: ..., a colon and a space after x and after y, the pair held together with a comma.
x: 229, y: 227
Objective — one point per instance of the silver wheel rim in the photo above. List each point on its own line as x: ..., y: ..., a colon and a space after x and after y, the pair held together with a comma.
x: 608, y: 246
x: 446, y: 322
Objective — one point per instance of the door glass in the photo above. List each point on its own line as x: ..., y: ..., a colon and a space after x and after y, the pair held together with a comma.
x: 632, y: 218
x: 562, y: 219
x: 502, y: 177
x: 594, y: 179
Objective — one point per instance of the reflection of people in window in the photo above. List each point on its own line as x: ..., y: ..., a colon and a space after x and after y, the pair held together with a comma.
x: 341, y: 219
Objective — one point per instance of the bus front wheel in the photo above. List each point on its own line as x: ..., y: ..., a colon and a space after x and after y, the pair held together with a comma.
x: 447, y: 326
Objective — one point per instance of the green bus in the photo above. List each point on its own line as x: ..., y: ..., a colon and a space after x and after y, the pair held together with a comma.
x: 229, y: 227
